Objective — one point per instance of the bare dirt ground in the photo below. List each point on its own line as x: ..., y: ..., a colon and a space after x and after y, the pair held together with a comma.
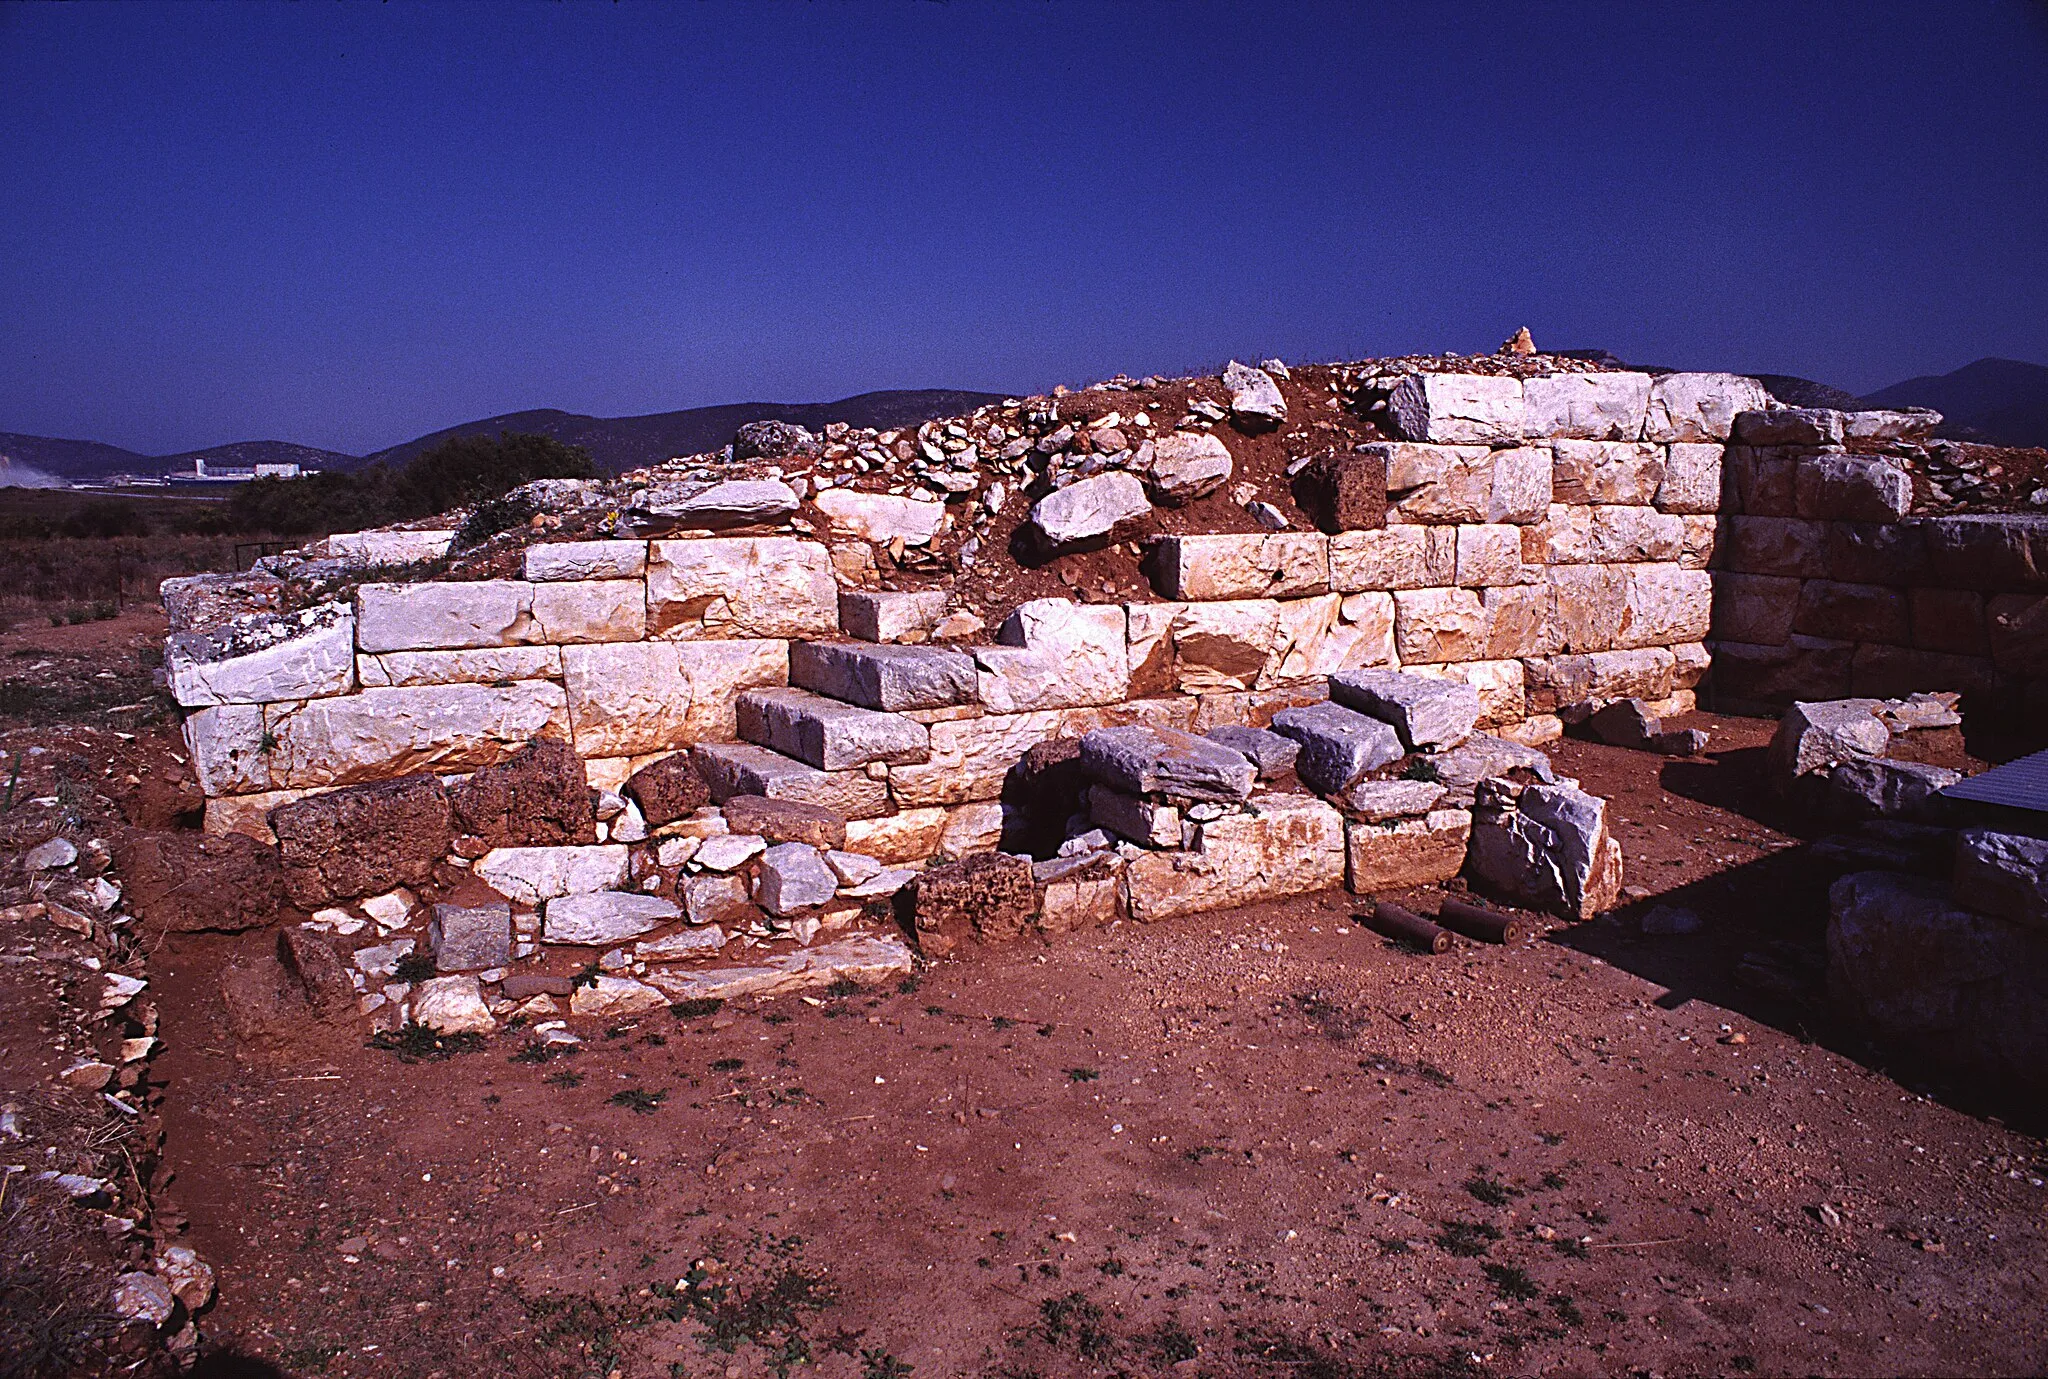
x: 1259, y: 1143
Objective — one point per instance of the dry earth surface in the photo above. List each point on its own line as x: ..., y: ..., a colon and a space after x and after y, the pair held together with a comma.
x: 1264, y: 1142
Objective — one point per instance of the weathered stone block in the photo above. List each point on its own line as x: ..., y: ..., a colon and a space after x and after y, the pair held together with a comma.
x: 466, y: 938
x: 602, y: 610
x: 970, y: 758
x: 1805, y: 668
x: 1489, y: 555
x: 1551, y: 683
x: 1552, y: 850
x: 1605, y: 535
x: 1953, y: 620
x: 2016, y: 628
x: 296, y: 656
x: 794, y: 878
x: 1338, y: 745
x: 1699, y: 406
x: 1232, y: 566
x: 1996, y: 553
x: 1290, y: 845
x: 1439, y: 625
x: 1901, y: 955
x: 532, y: 875
x: 418, y: 617
x: 1438, y: 483
x: 634, y: 698
x: 1398, y: 557
x: 1164, y: 761
x: 2003, y: 874
x: 1692, y: 480
x: 1457, y: 409
x: 1517, y: 620
x: 576, y: 560
x: 910, y: 835
x: 891, y: 617
x: 1882, y: 789
x: 1269, y: 753
x: 1754, y: 608
x: 1187, y: 465
x: 380, y: 733
x: 1229, y: 645
x: 740, y: 768
x: 1056, y: 654
x: 879, y: 517
x: 1404, y: 853
x: 785, y: 821
x: 1589, y: 471
x: 1587, y: 604
x: 829, y: 734
x: 736, y: 587
x: 476, y: 666
x: 890, y: 678
x: 1878, y: 552
x: 1348, y: 490
x: 1427, y: 714
x: 1321, y: 636
x: 1758, y: 481
x: 989, y: 894
x: 1855, y: 612
x: 1699, y: 542
x: 229, y: 748
x: 1497, y: 683
x: 1378, y: 801
x: 1521, y: 491
x: 362, y: 840
x: 538, y: 796
x: 1789, y: 426
x: 1890, y: 672
x: 1090, y: 509
x: 371, y: 550
x: 1131, y: 816
x: 1815, y: 736
x: 1664, y: 605
x: 667, y: 789
x: 1852, y: 489
x: 1777, y: 546
x: 1586, y: 406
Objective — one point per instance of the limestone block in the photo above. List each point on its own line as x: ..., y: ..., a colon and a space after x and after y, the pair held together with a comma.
x: 1090, y: 509
x: 601, y: 918
x: 630, y: 698
x: 1517, y: 620
x: 1882, y: 789
x: 722, y: 506
x: 1439, y: 625
x: 1457, y: 409
x: 1438, y: 483
x: 1225, y: 645
x: 1165, y: 761
x: 1804, y: 668
x: 1587, y: 604
x: 1854, y: 612
x: 1698, y: 542
x: 1895, y: 671
x: 1338, y: 745
x: 793, y: 878
x: 1776, y: 546
x: 604, y: 610
x: 2003, y: 874
x: 1692, y: 480
x: 615, y: 998
x: 1404, y: 853
x: 2015, y: 632
x: 1269, y: 753
x: 1910, y: 423
x: 1586, y: 406
x: 879, y: 517
x: 1851, y: 488
x: 1552, y: 850
x: 380, y: 733
x: 1499, y: 685
x: 248, y: 814
x: 1999, y: 554
x: 1379, y: 801
x: 579, y: 560
x: 1607, y: 472
x: 741, y: 768
x: 1789, y: 426
x: 1550, y: 683
x: 1244, y: 566
x: 477, y: 666
x: 373, y: 549
x: 826, y: 733
x: 229, y: 749
x: 1146, y: 822
x: 1289, y: 845
x: 1700, y: 406
x: 894, y: 679
x: 1758, y: 481
x: 1542, y: 729
x: 1605, y: 535
x: 452, y: 1005
x: 740, y: 587
x: 1489, y: 555
x: 294, y: 656
x: 1256, y: 403
x: 970, y: 757
x: 1954, y: 620
x: 1056, y: 654
x: 1815, y: 736
x: 1252, y: 708
x: 1321, y: 636
x: 908, y: 616
x: 1690, y: 662
x: 1754, y: 608
x: 1086, y: 902
x: 972, y: 828
x: 425, y: 617
x: 532, y: 875
x: 1521, y: 491
x: 1402, y: 556
x: 910, y: 835
x: 1902, y: 955
x: 1187, y: 465
x: 1664, y: 605
x: 1426, y: 714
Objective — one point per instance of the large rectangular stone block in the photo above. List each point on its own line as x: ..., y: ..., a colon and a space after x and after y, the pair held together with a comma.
x: 1949, y: 620
x: 2016, y: 633
x: 435, y: 616
x: 374, y: 549
x: 1627, y: 472
x: 1699, y: 542
x: 1244, y: 566
x: 480, y: 666
x: 1692, y: 480
x: 1851, y: 488
x: 230, y: 749
x: 1699, y: 406
x: 895, y: 679
x: 1851, y: 612
x: 971, y: 756
x: 1889, y: 672
x: 1321, y: 636
x: 1810, y: 668
x: 602, y: 610
x: 1223, y: 646
x: 1438, y: 483
x: 1056, y: 654
x: 295, y: 656
x: 562, y: 560
x: 1490, y: 555
x: 1586, y: 406
x: 1405, y: 853
x: 1517, y: 620
x: 741, y: 768
x: 1605, y: 535
x: 1439, y: 625
x: 1776, y: 546
x: 2000, y: 554
x: 630, y: 698
x: 1893, y: 553
x: 1550, y: 683
x: 379, y: 733
x: 826, y: 733
x: 1290, y: 845
x: 1498, y: 683
x: 1664, y: 606
x: 1521, y: 485
x: 1757, y: 609
x: 1457, y: 409
x: 1757, y: 481
x: 1402, y: 556
x: 1587, y: 604
x: 740, y: 587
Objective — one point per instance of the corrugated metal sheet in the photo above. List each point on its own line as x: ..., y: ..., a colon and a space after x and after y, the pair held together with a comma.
x: 2021, y: 784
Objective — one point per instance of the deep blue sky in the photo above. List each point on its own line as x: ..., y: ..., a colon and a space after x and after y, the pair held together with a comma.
x: 349, y: 224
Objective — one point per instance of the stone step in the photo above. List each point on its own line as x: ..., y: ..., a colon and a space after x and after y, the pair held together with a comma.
x: 862, y: 958
x: 885, y: 677
x: 891, y: 616
x: 742, y: 768
x: 828, y: 733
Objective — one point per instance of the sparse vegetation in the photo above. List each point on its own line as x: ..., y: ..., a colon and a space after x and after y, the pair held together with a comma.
x: 415, y: 1043
x: 638, y: 1100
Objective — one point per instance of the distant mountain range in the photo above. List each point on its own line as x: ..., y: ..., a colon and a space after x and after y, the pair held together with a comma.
x: 2002, y: 401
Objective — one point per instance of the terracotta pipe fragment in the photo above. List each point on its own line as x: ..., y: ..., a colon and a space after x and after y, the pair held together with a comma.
x: 1478, y: 922
x: 1397, y: 923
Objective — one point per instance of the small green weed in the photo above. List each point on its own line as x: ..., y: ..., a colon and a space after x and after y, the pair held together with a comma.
x: 1510, y: 1282
x: 1082, y: 1074
x: 638, y: 1100
x: 1467, y: 1239
x: 415, y: 967
x: 697, y: 1007
x: 415, y: 1043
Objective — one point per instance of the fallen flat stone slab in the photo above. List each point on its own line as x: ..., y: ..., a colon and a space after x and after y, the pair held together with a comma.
x: 1376, y: 801
x: 1140, y: 760
x: 734, y: 503
x: 470, y: 938
x: 603, y: 918
x: 532, y: 875
x: 1090, y: 508
x: 1428, y: 714
x: 1338, y: 745
x: 1269, y: 753
x: 741, y: 768
x: 684, y: 943
x: 828, y: 733
x: 611, y: 997
x: 794, y: 877
x: 784, y: 821
x: 452, y: 1005
x: 861, y: 958
x: 1812, y: 736
x: 890, y: 678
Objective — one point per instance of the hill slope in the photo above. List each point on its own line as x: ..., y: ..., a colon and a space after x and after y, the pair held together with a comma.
x: 618, y: 443
x: 2000, y: 400
x: 260, y: 452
